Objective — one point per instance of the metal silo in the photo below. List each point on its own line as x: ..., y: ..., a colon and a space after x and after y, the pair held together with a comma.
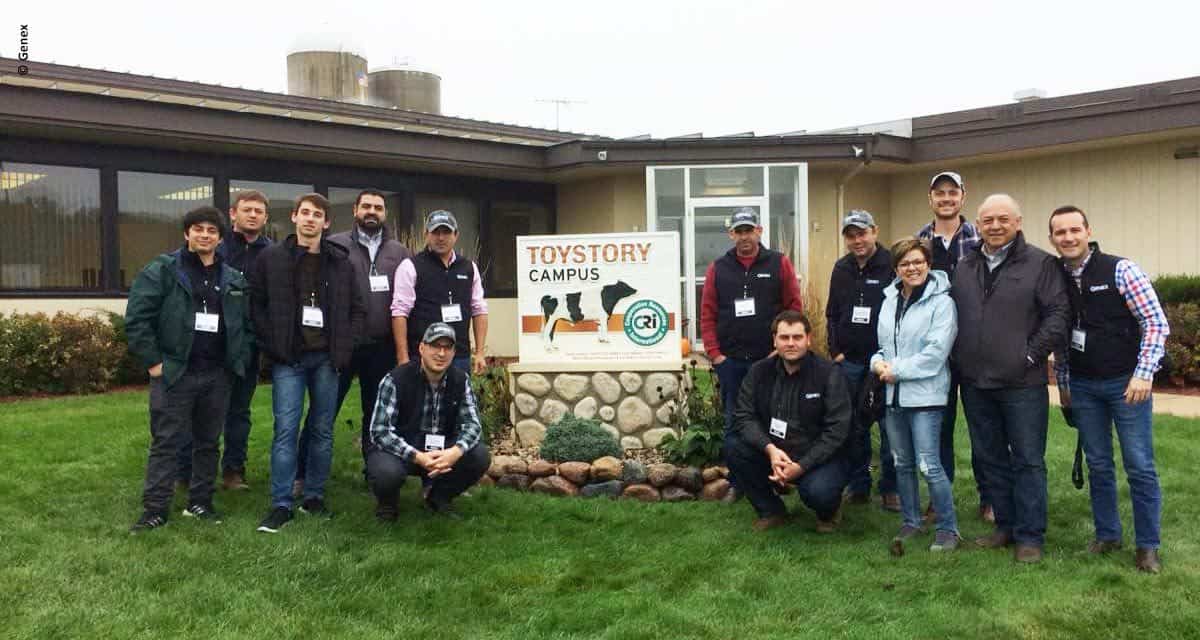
x: 327, y: 66
x: 405, y: 87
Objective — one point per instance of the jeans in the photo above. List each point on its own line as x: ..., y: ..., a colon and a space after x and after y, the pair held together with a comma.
x: 386, y: 473
x: 820, y: 487
x: 237, y: 423
x: 1098, y: 405
x: 949, y: 420
x: 1008, y: 436
x: 462, y: 363
x: 194, y: 406
x: 860, y: 470
x: 315, y: 374
x: 914, y: 434
x: 370, y: 362
x: 730, y: 374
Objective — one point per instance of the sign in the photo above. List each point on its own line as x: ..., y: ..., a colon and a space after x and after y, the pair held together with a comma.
x: 604, y: 298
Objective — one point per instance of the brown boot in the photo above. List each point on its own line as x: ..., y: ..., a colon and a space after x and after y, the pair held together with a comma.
x: 234, y: 480
x: 830, y: 525
x: 1027, y: 554
x: 1101, y: 547
x: 1147, y: 560
x: 995, y: 540
x: 769, y: 522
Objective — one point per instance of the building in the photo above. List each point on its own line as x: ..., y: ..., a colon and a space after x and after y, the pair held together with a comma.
x: 96, y: 168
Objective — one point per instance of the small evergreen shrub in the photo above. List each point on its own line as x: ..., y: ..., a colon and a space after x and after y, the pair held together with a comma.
x: 575, y: 439
x: 1177, y: 289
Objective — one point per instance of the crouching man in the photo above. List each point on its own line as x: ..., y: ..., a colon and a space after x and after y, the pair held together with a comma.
x: 425, y: 422
x: 791, y: 422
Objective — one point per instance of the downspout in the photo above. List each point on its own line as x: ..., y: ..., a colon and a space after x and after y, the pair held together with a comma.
x: 867, y: 156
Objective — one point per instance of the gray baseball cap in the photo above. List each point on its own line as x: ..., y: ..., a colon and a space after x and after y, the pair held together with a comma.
x: 949, y: 175
x: 441, y: 218
x: 744, y: 217
x: 858, y: 218
x: 437, y: 331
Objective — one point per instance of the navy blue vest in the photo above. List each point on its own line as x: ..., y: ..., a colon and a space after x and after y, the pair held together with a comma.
x: 438, y: 285
x: 1114, y: 336
x: 748, y: 337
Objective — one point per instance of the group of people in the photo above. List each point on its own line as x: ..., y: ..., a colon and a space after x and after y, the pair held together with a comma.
x: 320, y: 310
x: 958, y: 308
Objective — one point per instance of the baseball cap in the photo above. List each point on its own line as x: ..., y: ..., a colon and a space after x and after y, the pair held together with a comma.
x: 858, y: 218
x: 441, y: 218
x: 743, y: 217
x: 437, y: 331
x: 957, y: 179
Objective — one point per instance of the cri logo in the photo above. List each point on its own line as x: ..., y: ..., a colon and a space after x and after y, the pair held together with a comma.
x: 646, y: 323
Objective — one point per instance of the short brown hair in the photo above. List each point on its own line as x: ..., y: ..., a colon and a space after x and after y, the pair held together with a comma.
x: 790, y: 316
x: 904, y: 245
x: 317, y: 200
x: 251, y: 195
x: 1063, y: 210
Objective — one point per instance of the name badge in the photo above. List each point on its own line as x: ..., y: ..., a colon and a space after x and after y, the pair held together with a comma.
x: 434, y: 442
x: 743, y: 307
x: 312, y: 317
x: 451, y: 312
x: 1078, y: 339
x: 778, y: 428
x: 379, y: 283
x: 208, y: 322
x: 861, y: 315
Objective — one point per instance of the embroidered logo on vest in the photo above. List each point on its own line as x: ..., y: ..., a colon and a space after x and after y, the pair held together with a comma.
x: 1098, y: 287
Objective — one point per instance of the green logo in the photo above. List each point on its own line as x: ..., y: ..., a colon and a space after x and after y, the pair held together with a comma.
x: 646, y: 323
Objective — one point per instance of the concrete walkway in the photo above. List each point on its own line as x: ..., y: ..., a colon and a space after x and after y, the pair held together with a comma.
x: 1169, y: 403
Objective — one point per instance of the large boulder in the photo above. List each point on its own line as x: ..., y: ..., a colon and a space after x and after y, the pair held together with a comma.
x: 677, y: 494
x: 715, y: 490
x: 526, y: 403
x: 554, y: 486
x: 552, y: 411
x: 606, y: 387
x: 633, y: 415
x: 660, y: 387
x: 570, y: 387
x: 643, y: 492
x: 606, y: 468
x: 689, y: 478
x: 518, y: 481
x: 530, y: 433
x: 661, y: 474
x: 542, y: 468
x: 630, y: 381
x: 610, y: 489
x: 585, y: 408
x: 504, y: 465
x: 633, y: 472
x: 576, y: 472
x: 654, y: 437
x: 534, y: 383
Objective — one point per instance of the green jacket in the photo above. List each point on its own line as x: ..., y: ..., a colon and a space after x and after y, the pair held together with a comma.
x: 160, y: 318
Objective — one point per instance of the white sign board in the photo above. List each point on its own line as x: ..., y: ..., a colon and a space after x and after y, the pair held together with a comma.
x: 604, y: 299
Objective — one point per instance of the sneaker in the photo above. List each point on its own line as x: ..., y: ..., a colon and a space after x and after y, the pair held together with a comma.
x: 275, y: 519
x: 903, y: 535
x: 316, y: 507
x: 204, y: 512
x: 234, y: 480
x: 386, y: 512
x: 945, y: 541
x: 149, y: 521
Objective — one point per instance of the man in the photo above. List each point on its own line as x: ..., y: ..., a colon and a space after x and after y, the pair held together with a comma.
x: 950, y: 238
x: 792, y: 419
x: 425, y: 422
x: 187, y: 321
x: 307, y: 311
x: 743, y: 292
x: 1012, y: 312
x: 851, y: 317
x: 248, y: 217
x: 439, y: 285
x: 1117, y: 342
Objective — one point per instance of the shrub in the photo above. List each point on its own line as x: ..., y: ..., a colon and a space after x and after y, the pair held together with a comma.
x: 575, y: 439
x: 1177, y: 289
x: 494, y: 398
x: 130, y: 369
x: 700, y: 419
x: 1183, y: 345
x: 68, y: 353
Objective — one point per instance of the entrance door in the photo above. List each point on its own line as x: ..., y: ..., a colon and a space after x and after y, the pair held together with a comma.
x: 706, y: 239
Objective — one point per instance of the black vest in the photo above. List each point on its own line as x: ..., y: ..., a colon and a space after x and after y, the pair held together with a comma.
x: 411, y: 387
x: 1113, y: 335
x: 748, y: 337
x: 438, y: 285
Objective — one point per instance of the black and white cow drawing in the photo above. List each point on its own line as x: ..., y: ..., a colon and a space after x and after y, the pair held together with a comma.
x: 578, y: 306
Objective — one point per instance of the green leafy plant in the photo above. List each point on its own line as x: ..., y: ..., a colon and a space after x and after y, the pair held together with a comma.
x: 574, y: 439
x: 699, y: 419
x: 494, y: 398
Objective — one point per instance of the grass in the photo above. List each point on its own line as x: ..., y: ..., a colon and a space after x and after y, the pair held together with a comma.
x: 526, y: 566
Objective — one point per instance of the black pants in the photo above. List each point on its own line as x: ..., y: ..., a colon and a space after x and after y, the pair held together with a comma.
x: 195, y: 407
x: 370, y: 362
x: 387, y: 473
x: 820, y: 488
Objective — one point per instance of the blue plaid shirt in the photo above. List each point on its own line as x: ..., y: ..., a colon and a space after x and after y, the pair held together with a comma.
x: 384, y: 436
x: 964, y: 241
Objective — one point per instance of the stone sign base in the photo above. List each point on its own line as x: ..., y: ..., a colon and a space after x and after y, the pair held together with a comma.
x: 635, y: 404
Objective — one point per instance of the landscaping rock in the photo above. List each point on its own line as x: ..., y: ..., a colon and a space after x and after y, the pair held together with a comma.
x: 633, y: 415
x: 633, y: 472
x: 554, y: 486
x: 631, y: 442
x: 605, y: 469
x: 518, y: 481
x: 689, y: 478
x: 611, y: 431
x: 607, y: 413
x: 643, y: 492
x: 660, y: 387
x: 542, y: 468
x: 569, y: 386
x: 715, y: 490
x: 534, y: 383
x: 585, y: 408
x: 552, y: 411
x: 530, y: 433
x: 710, y: 474
x: 661, y: 474
x: 677, y: 494
x: 654, y: 437
x: 610, y: 489
x: 508, y: 464
x: 665, y: 412
x: 486, y: 481
x: 526, y: 403
x: 576, y: 472
x: 630, y: 381
x: 606, y: 387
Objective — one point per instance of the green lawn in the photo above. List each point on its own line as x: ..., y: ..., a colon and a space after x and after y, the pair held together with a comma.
x: 526, y: 566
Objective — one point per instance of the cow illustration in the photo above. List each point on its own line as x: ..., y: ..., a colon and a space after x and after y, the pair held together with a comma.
x: 579, y: 306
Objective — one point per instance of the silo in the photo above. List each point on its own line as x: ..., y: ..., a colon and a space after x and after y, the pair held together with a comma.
x: 405, y: 87
x: 327, y: 66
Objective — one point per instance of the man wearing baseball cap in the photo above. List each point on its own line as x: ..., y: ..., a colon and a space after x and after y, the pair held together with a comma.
x: 744, y: 290
x: 440, y: 285
x: 426, y: 422
x: 951, y: 237
x: 855, y: 297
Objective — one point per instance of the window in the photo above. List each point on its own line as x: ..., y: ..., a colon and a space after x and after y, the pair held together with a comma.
x: 507, y: 220
x: 150, y: 209
x: 341, y: 201
x: 282, y: 198
x: 51, y: 218
x: 465, y: 210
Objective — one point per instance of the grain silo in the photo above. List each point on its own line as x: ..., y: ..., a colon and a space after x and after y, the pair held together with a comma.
x: 405, y: 87
x: 327, y: 66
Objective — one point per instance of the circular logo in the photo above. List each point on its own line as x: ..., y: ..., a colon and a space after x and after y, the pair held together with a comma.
x: 646, y: 323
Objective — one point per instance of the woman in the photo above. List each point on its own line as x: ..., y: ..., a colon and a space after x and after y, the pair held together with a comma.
x: 917, y: 326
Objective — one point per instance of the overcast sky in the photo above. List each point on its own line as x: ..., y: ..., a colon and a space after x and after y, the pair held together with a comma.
x: 647, y: 66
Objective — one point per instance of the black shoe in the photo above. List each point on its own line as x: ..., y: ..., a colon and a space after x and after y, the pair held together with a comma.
x: 275, y: 520
x: 204, y: 512
x: 446, y: 510
x: 316, y: 507
x: 386, y: 512
x: 149, y: 521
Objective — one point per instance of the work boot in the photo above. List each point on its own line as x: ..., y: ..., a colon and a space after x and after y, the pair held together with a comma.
x: 994, y: 540
x: 830, y: 525
x: 1101, y: 547
x: 769, y: 522
x: 1027, y: 554
x: 1146, y: 560
x: 857, y: 498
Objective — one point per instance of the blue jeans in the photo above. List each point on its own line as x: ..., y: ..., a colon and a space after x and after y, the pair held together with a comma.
x: 914, y: 434
x: 1098, y: 405
x: 462, y: 363
x: 1008, y: 438
x: 820, y: 487
x: 316, y: 375
x: 860, y: 461
x: 730, y: 374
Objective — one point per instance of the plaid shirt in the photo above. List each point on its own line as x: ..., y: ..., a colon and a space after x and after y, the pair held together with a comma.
x: 1135, y: 287
x: 963, y: 242
x: 384, y: 436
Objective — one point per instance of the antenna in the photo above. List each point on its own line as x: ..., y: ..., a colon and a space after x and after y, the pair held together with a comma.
x: 558, y: 104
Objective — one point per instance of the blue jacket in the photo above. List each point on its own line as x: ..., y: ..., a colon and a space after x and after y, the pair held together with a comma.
x: 919, y: 352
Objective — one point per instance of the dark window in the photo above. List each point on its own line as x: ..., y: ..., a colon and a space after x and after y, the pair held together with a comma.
x: 465, y: 210
x: 150, y: 209
x: 341, y: 201
x: 506, y: 220
x: 51, y: 218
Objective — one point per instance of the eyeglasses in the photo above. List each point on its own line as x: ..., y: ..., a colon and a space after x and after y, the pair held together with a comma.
x: 911, y: 264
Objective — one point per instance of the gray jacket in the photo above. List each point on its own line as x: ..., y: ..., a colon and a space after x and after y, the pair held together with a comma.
x: 1006, y: 331
x: 378, y: 325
